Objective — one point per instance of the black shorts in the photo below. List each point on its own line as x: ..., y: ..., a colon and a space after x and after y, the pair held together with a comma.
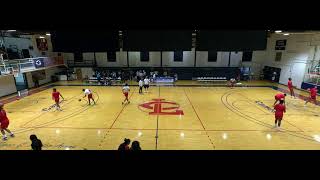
x: 146, y: 86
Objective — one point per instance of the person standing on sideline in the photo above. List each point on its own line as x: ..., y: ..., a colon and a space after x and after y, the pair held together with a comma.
x: 290, y: 86
x: 146, y: 84
x: 140, y: 86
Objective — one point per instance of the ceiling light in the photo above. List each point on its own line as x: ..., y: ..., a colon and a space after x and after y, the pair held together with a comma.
x: 41, y: 37
x: 286, y: 34
x: 278, y: 31
x: 12, y: 30
x: 48, y: 34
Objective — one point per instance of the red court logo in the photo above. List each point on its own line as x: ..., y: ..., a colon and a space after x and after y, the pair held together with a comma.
x: 161, y: 107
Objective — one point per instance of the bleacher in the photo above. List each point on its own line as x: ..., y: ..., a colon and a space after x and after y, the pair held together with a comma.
x: 211, y: 79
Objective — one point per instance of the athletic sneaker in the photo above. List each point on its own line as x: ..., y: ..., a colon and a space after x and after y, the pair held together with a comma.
x: 12, y: 135
x: 5, y: 138
x: 122, y: 103
x: 275, y: 126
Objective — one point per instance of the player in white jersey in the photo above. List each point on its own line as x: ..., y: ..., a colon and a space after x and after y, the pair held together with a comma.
x: 140, y: 86
x: 88, y: 92
x: 125, y: 91
x: 146, y: 84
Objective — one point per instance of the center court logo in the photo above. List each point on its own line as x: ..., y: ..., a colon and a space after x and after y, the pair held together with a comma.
x: 161, y: 107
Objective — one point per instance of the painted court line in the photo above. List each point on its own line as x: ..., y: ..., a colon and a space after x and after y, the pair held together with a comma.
x: 199, y: 118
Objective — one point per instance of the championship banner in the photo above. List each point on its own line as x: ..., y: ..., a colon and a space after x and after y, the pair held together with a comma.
x: 281, y: 44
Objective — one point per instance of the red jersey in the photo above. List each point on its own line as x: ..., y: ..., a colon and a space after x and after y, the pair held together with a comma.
x: 313, y: 92
x: 290, y: 85
x: 280, y: 108
x: 55, y: 95
x: 279, y: 96
x: 3, y: 116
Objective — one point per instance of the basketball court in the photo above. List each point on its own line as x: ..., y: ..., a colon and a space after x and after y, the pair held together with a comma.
x: 167, y: 118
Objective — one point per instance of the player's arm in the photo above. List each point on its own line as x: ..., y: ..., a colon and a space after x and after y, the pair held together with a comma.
x: 61, y: 96
x: 284, y: 109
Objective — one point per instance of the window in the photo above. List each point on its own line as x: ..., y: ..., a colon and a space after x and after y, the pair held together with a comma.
x: 278, y: 56
x: 212, y: 56
x: 78, y: 56
x: 111, y: 56
x: 144, y: 56
x: 247, y: 56
x: 178, y: 56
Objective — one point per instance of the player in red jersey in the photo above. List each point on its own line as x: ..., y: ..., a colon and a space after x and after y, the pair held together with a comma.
x: 313, y: 95
x: 290, y: 86
x: 278, y: 97
x: 279, y: 110
x: 90, y: 95
x: 125, y: 91
x: 56, y: 97
x: 4, y: 123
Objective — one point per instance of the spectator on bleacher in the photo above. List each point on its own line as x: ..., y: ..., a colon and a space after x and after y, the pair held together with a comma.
x: 140, y: 75
x: 154, y: 77
x: 36, y: 143
x: 135, y: 146
x: 176, y: 77
x: 99, y: 78
x: 125, y: 145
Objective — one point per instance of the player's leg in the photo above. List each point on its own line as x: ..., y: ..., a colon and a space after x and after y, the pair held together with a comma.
x: 57, y: 105
x: 307, y: 100
x: 4, y: 136
x: 275, y: 122
x: 292, y: 92
x: 94, y: 102
x: 127, y: 97
x: 279, y: 122
x: 11, y: 134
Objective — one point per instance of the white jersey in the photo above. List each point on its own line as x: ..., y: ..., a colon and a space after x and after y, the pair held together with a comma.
x: 140, y: 83
x: 87, y: 91
x: 126, y: 89
x: 146, y: 81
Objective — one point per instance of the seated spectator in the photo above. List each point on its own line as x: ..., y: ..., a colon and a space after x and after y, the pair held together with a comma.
x: 36, y: 143
x: 125, y: 145
x: 135, y: 146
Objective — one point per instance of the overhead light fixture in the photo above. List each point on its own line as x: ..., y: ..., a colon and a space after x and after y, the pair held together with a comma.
x: 48, y: 34
x: 278, y: 31
x: 286, y: 34
x: 41, y: 37
x: 11, y: 30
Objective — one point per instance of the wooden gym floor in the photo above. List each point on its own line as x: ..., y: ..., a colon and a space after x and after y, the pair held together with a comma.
x: 166, y: 118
